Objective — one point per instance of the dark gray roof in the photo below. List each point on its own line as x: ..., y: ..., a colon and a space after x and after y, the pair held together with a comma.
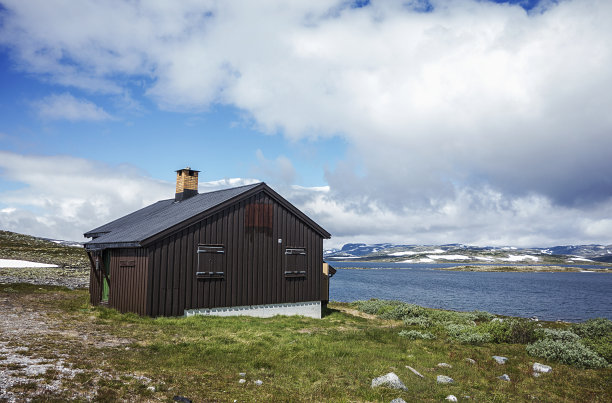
x: 140, y: 225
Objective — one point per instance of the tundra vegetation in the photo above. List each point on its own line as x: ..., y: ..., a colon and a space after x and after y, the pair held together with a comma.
x: 123, y: 356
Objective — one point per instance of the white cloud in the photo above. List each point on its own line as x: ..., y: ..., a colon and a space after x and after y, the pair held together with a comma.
x: 278, y: 171
x: 471, y: 121
x: 67, y: 107
x: 63, y: 197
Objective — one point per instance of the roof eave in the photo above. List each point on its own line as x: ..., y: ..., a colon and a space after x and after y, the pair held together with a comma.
x: 110, y: 245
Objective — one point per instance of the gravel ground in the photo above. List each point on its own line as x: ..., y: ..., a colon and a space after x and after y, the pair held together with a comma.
x: 66, y: 277
x: 42, y: 350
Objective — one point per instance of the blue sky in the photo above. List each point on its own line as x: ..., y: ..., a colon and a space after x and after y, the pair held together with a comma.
x: 481, y: 122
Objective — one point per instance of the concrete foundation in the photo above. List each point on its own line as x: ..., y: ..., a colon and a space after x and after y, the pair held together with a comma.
x: 311, y: 309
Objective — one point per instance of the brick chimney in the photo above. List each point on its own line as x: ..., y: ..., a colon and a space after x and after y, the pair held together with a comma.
x: 186, y: 184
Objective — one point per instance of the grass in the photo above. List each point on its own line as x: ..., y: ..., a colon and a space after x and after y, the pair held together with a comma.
x: 297, y: 358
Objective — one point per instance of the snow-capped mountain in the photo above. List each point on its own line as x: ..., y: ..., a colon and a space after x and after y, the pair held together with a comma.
x: 465, y: 253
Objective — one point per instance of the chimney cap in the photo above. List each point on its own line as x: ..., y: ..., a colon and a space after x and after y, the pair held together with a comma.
x: 187, y: 169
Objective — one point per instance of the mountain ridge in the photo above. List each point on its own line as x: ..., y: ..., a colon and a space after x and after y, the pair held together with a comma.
x: 456, y: 252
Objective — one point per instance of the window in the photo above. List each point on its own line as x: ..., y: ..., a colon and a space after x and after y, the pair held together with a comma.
x: 210, y: 261
x: 295, y: 262
x: 259, y: 218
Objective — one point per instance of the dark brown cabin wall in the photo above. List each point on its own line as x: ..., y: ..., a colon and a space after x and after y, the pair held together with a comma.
x: 254, y: 262
x: 128, y: 283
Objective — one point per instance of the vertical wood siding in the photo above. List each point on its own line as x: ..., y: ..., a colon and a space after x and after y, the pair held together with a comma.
x: 128, y: 280
x: 254, y: 262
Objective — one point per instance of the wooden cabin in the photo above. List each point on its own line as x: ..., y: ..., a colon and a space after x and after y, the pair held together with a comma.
x: 239, y: 251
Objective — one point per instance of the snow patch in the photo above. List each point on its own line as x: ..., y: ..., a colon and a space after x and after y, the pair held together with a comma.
x: 5, y: 263
x: 520, y: 258
x: 582, y: 259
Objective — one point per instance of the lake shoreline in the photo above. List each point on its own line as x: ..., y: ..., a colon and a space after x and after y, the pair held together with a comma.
x: 484, y: 268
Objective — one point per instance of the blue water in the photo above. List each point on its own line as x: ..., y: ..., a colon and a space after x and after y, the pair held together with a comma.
x: 573, y: 296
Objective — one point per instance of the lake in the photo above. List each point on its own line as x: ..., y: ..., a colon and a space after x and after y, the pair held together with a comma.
x: 570, y: 296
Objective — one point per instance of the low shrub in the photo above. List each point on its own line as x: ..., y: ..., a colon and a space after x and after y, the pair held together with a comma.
x: 421, y: 321
x: 593, y: 328
x: 597, y: 335
x: 448, y: 317
x: 403, y: 310
x: 482, y: 316
x: 568, y: 352
x: 557, y: 334
x: 510, y: 331
x: 467, y: 334
x: 375, y: 306
x: 415, y: 334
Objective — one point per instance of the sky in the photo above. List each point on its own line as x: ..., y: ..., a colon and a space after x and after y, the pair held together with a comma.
x: 412, y: 122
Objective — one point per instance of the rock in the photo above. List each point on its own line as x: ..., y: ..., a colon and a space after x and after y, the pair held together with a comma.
x: 444, y: 379
x: 500, y: 360
x: 537, y: 367
x: 414, y: 371
x: 398, y: 400
x: 242, y: 374
x: 389, y: 380
x: 451, y: 398
x: 444, y: 365
x: 258, y: 382
x: 504, y: 377
x: 536, y: 374
x: 497, y: 320
x: 534, y: 319
x: 181, y: 399
x: 242, y: 380
x: 151, y: 388
x: 471, y: 361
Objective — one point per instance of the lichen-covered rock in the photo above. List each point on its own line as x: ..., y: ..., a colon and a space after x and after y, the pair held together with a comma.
x: 504, y: 377
x: 451, y: 398
x: 537, y: 367
x: 499, y: 359
x: 389, y: 380
x: 444, y: 379
x: 470, y: 361
x: 444, y: 365
x: 398, y: 400
x: 259, y: 382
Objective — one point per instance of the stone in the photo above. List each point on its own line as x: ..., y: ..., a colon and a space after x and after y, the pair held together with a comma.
x: 471, y: 361
x: 537, y: 367
x: 444, y: 365
x: 389, y: 380
x: 504, y: 377
x: 500, y: 360
x: 536, y: 374
x: 242, y: 374
x: 398, y: 400
x: 181, y: 399
x: 259, y: 382
x: 497, y: 320
x: 451, y: 398
x: 151, y: 388
x: 242, y: 380
x: 444, y: 379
